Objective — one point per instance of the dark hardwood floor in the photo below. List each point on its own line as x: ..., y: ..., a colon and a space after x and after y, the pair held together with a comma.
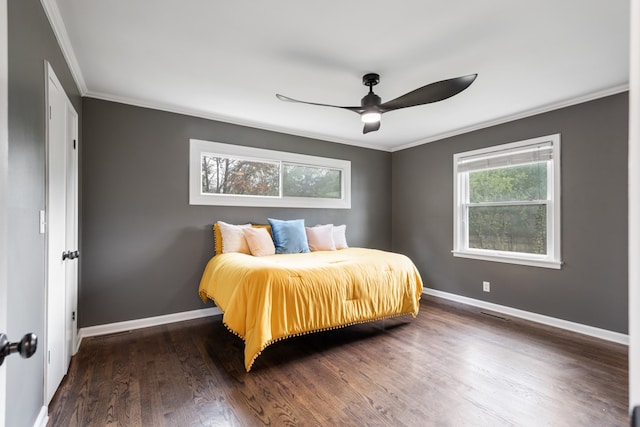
x: 451, y: 366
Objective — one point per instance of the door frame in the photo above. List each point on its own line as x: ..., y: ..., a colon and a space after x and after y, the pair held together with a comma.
x: 4, y: 166
x: 634, y: 208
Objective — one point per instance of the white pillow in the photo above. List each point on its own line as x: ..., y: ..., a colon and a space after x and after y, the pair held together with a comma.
x: 233, y: 239
x: 320, y: 238
x: 340, y: 236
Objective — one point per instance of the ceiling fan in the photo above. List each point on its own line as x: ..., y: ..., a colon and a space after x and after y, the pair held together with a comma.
x: 371, y: 106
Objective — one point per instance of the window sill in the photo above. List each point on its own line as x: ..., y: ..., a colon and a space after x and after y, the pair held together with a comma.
x: 509, y: 259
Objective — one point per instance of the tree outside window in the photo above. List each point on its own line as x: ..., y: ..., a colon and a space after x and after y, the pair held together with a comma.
x: 233, y: 175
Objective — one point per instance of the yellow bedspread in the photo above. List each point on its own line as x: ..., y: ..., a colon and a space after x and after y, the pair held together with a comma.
x: 266, y: 299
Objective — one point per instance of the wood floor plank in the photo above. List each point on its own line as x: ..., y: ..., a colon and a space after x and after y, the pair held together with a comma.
x: 451, y: 366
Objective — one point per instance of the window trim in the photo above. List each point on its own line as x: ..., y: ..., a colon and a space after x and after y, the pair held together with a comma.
x: 198, y: 147
x: 460, y: 231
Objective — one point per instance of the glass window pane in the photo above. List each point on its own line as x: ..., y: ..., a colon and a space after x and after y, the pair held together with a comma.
x: 517, y: 183
x: 509, y: 228
x: 310, y: 181
x: 228, y: 175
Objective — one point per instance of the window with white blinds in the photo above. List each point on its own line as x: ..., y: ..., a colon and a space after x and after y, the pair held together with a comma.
x: 507, y: 203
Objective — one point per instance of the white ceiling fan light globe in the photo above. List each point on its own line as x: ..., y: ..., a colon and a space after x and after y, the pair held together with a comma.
x: 371, y: 117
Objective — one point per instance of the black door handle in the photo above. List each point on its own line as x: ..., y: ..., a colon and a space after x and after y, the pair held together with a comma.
x: 26, y: 347
x: 70, y: 255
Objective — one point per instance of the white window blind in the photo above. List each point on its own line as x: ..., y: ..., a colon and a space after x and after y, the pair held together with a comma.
x: 509, y: 157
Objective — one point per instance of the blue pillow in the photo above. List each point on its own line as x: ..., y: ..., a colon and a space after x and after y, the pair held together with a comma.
x: 289, y: 236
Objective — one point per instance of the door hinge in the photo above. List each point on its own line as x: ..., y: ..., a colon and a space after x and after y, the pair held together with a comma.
x: 49, y: 112
x: 74, y: 144
x: 43, y: 222
x: 73, y: 315
x: 49, y: 357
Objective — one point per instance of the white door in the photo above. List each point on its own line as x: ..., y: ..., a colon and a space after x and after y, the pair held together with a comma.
x: 4, y: 144
x: 62, y: 226
x: 71, y: 237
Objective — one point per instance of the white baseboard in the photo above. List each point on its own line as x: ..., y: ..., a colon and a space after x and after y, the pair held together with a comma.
x: 43, y: 418
x: 112, y: 328
x: 534, y: 317
x: 129, y: 325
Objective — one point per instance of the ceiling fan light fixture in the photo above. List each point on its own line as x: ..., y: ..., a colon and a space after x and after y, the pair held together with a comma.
x: 371, y: 105
x: 370, y: 117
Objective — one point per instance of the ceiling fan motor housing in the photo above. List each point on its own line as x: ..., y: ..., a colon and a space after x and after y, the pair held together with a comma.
x: 370, y: 100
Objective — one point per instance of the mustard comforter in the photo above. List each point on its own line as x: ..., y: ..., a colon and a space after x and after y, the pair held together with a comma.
x: 266, y: 299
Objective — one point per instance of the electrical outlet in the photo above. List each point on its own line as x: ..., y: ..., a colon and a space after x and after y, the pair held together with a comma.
x: 486, y: 286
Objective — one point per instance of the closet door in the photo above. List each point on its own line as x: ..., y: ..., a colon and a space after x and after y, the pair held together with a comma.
x: 62, y: 232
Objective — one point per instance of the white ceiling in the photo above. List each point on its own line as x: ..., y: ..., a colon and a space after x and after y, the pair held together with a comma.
x: 227, y: 59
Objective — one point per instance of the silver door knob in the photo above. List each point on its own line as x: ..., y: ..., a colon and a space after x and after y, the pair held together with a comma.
x: 27, y: 346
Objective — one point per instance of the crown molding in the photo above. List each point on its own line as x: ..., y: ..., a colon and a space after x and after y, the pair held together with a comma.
x: 226, y: 119
x: 264, y: 126
x: 527, y: 113
x: 60, y: 30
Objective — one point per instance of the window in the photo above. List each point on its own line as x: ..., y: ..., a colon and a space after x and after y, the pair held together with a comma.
x: 232, y: 175
x: 507, y: 203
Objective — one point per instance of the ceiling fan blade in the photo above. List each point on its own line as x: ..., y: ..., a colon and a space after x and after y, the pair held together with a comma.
x: 287, y: 99
x: 371, y: 127
x: 433, y: 92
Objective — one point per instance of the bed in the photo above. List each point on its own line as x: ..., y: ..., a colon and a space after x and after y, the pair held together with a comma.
x: 265, y: 299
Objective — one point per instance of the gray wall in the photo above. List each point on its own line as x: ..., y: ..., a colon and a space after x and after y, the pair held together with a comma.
x: 30, y: 42
x: 591, y: 287
x: 145, y: 247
